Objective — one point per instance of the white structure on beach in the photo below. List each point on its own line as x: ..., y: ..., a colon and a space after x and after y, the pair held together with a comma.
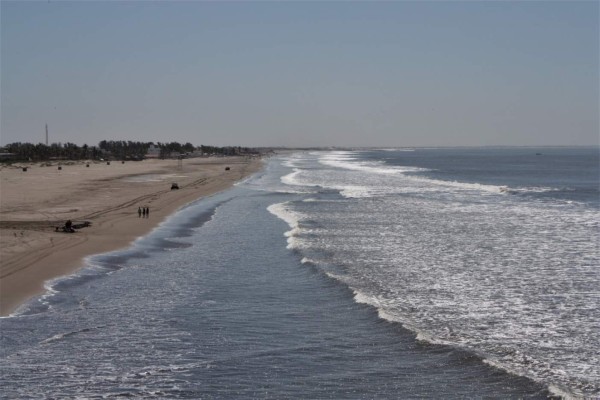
x: 153, y: 152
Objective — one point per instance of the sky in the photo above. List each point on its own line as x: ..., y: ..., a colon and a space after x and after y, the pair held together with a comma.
x: 301, y: 74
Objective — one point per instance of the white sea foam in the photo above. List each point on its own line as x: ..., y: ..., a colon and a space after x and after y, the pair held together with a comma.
x: 465, y: 264
x: 332, y: 275
x: 354, y: 191
x: 346, y: 160
x: 293, y: 184
x: 460, y: 185
x: 386, y: 315
x: 413, y: 183
x: 425, y: 337
x: 289, y: 163
x: 283, y: 212
x: 362, y: 298
x: 349, y: 160
x: 293, y: 160
x: 49, y: 288
x: 291, y: 178
x: 563, y: 394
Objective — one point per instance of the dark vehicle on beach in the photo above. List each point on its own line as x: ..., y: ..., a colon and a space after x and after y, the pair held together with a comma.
x: 174, y: 186
x: 69, y: 226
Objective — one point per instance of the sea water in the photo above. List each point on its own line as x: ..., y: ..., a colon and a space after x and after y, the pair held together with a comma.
x: 425, y: 273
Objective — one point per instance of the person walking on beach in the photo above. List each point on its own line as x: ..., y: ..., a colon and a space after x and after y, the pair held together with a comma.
x: 144, y: 212
x: 147, y: 212
x: 139, y: 212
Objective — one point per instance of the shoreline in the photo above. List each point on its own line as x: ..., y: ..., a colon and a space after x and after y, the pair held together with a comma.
x: 33, y: 203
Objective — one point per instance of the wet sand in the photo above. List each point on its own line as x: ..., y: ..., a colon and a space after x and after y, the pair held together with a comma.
x: 35, y: 202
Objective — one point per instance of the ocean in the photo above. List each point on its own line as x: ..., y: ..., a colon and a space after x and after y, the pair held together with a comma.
x: 377, y: 273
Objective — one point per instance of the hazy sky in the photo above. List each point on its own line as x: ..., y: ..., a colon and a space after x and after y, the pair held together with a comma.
x: 301, y: 73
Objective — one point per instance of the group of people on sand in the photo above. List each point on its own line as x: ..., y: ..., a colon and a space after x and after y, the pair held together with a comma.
x: 143, y: 212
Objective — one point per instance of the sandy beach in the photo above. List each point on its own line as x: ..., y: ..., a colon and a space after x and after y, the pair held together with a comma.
x: 34, y: 202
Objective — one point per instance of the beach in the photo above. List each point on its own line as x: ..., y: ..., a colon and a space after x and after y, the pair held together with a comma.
x: 34, y: 203
x: 268, y: 290
x: 329, y: 274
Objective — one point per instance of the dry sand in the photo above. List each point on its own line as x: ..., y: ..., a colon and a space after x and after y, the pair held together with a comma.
x: 34, y: 202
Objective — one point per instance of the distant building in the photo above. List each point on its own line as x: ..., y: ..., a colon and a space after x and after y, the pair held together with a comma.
x: 153, y: 152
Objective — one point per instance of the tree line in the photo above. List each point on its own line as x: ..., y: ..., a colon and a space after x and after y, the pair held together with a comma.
x: 114, y: 149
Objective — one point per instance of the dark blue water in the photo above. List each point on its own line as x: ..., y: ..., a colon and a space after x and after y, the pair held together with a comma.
x: 565, y: 173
